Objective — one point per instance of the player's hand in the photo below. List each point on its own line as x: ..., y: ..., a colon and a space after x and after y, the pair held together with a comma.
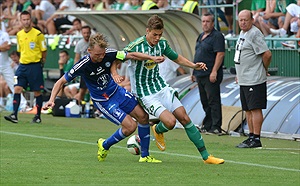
x: 158, y: 59
x: 200, y: 66
x: 48, y: 105
x: 117, y: 78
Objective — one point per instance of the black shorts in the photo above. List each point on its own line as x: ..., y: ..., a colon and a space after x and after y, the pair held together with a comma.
x: 30, y: 74
x: 228, y: 10
x: 62, y: 21
x: 82, y: 84
x: 254, y: 97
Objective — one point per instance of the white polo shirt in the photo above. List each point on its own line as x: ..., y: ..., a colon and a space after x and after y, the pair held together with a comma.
x: 4, y: 59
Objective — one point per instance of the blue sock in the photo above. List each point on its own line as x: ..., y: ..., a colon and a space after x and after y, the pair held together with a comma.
x: 16, y: 103
x: 39, y: 104
x: 113, y: 139
x: 144, y: 134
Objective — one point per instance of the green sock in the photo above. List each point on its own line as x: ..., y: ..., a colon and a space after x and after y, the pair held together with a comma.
x: 195, y: 136
x: 161, y: 128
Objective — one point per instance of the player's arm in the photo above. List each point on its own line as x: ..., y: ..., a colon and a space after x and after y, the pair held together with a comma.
x: 56, y: 88
x: 114, y: 73
x: 141, y: 56
x: 187, y: 63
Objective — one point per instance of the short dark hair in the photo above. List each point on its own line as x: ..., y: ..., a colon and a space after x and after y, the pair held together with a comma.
x: 86, y: 26
x: 64, y: 51
x: 14, y: 52
x: 211, y: 15
x: 76, y: 19
x: 155, y: 23
x: 25, y: 12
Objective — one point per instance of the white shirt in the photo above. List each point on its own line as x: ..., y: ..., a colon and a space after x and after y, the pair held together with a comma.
x: 4, y: 59
x: 71, y: 6
x: 168, y: 69
x: 47, y: 8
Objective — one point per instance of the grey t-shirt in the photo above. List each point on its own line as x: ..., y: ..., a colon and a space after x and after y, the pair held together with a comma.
x: 249, y: 64
x: 81, y: 48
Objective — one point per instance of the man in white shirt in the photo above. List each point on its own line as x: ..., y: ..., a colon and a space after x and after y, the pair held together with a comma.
x: 43, y: 11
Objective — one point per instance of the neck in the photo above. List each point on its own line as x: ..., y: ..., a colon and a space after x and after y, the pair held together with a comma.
x: 27, y: 29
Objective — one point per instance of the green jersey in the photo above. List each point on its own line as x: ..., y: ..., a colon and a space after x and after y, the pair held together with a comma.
x: 144, y: 75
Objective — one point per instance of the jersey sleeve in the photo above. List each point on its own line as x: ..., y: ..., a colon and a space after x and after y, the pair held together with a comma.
x: 169, y: 52
x: 42, y: 42
x: 75, y: 71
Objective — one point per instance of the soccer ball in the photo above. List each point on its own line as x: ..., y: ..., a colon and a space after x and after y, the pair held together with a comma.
x: 134, y: 145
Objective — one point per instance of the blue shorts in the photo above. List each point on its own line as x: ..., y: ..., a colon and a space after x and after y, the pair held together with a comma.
x: 30, y: 75
x: 118, y: 106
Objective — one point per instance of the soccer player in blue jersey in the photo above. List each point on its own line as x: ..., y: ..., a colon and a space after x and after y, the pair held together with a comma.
x: 118, y: 105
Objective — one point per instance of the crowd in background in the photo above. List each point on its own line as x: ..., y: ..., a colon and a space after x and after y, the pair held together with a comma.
x: 276, y: 17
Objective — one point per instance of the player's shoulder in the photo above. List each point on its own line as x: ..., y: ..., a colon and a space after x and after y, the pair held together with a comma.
x: 136, y: 42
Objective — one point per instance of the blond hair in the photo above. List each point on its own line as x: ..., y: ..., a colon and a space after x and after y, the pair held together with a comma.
x: 98, y: 39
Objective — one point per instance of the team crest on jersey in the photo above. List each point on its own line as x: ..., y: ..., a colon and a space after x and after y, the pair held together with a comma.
x: 117, y: 113
x: 32, y: 45
x: 107, y: 64
x: 150, y: 64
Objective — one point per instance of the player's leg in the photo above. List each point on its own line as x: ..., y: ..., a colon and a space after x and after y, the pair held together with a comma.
x: 35, y: 78
x: 193, y: 133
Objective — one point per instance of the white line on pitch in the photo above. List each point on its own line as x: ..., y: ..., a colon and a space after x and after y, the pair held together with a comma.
x: 172, y: 154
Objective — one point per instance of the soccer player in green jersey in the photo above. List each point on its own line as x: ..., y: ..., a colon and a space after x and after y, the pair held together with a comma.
x: 156, y: 96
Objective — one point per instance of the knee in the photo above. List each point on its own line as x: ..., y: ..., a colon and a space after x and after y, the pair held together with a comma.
x: 129, y: 129
x: 170, y: 122
x: 143, y: 118
x: 185, y: 119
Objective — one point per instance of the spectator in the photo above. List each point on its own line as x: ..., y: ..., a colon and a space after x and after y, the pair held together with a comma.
x: 6, y: 70
x: 150, y: 5
x: 191, y: 6
x: 210, y: 49
x: 76, y: 29
x: 220, y: 13
x: 291, y: 19
x: 43, y: 11
x: 169, y: 70
x: 80, y: 51
x: 97, y: 5
x: 65, y: 63
x: 119, y: 5
x: 154, y: 93
x: 274, y: 16
x: 135, y: 4
x: 252, y: 58
x: 30, y: 71
x: 10, y: 17
x: 15, y: 57
x: 163, y: 5
x: 55, y: 21
x: 229, y: 17
x: 177, y: 4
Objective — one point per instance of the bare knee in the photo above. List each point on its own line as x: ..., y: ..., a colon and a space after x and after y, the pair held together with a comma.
x: 128, y: 126
x: 169, y: 122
